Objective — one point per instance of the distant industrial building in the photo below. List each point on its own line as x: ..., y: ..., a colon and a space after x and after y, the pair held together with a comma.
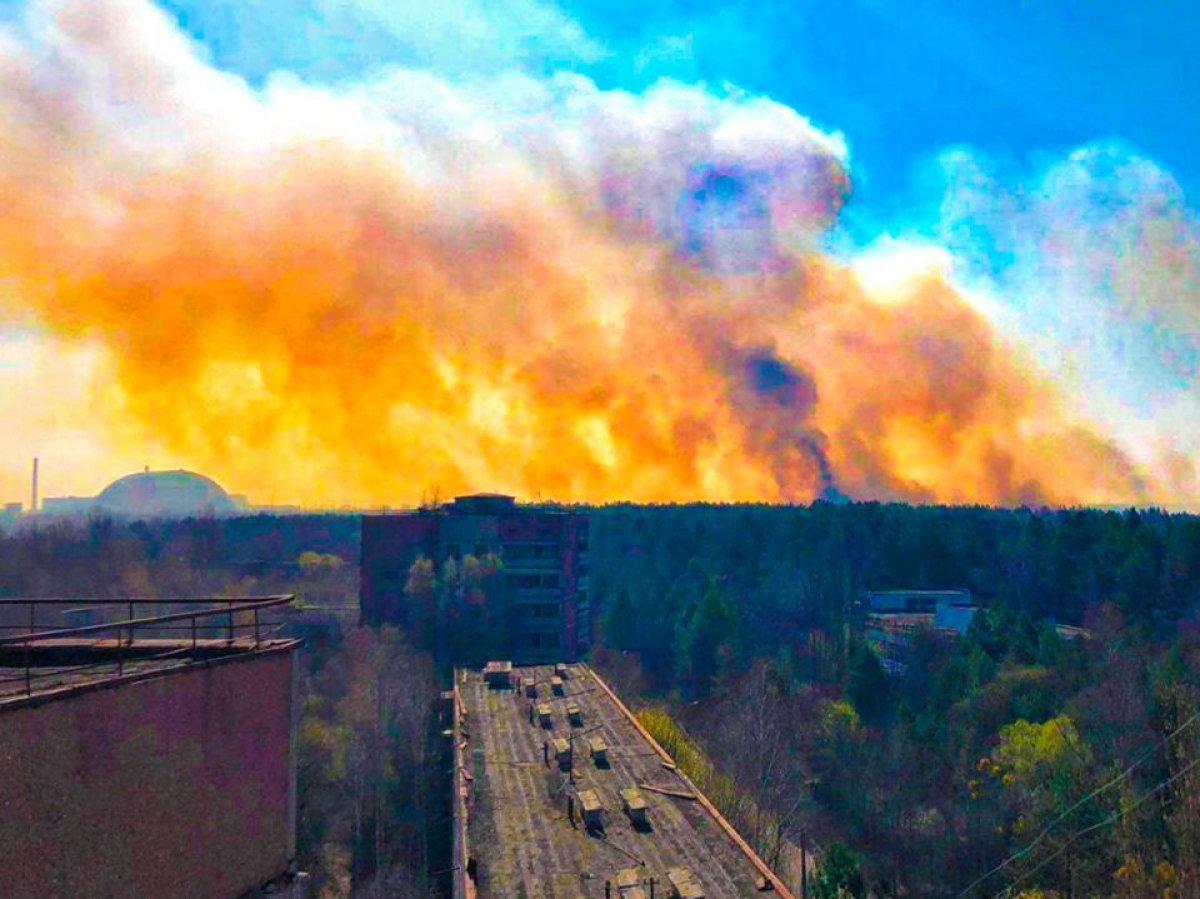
x: 914, y: 601
x: 150, y: 494
x: 543, y: 570
x: 10, y: 514
x: 890, y: 618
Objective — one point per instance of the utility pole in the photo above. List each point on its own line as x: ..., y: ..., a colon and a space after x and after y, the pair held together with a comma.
x: 1070, y: 885
x: 803, y: 863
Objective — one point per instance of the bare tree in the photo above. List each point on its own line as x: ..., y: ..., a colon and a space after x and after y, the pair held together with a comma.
x: 755, y: 745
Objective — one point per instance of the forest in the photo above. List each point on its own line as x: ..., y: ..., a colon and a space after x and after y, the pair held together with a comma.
x: 1010, y: 761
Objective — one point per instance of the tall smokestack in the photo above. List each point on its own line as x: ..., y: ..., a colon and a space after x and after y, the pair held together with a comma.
x: 33, y: 505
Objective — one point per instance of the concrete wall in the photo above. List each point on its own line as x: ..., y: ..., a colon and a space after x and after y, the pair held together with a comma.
x: 391, y: 542
x: 389, y: 545
x: 954, y: 617
x: 177, y: 786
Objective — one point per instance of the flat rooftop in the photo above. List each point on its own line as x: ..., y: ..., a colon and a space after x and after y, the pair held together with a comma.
x: 522, y: 843
x: 55, y: 646
x: 58, y: 665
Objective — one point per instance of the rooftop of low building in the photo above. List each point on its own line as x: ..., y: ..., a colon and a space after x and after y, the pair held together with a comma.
x: 53, y: 647
x: 520, y: 837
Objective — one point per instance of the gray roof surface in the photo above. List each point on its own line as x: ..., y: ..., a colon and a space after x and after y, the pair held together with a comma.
x: 519, y: 833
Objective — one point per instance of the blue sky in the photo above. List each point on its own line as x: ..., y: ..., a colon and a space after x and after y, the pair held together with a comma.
x: 1015, y: 80
x: 1038, y: 157
x: 904, y: 80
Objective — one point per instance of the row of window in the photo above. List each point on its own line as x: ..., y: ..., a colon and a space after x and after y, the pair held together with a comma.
x: 541, y: 610
x: 540, y: 641
x: 520, y: 551
x: 532, y: 581
x: 455, y: 551
x: 513, y: 552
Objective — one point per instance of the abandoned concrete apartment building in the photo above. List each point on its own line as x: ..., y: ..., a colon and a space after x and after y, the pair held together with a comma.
x: 543, y: 552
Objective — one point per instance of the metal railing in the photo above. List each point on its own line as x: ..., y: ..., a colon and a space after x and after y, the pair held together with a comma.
x: 233, y: 617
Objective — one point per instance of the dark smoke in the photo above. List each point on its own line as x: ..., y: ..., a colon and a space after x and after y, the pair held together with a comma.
x: 782, y: 383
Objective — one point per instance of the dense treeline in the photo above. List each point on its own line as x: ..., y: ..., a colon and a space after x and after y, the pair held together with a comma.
x: 743, y: 620
x: 103, y: 557
x: 793, y: 568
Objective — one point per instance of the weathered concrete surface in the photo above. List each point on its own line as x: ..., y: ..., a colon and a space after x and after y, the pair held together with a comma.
x: 520, y: 836
x: 176, y: 786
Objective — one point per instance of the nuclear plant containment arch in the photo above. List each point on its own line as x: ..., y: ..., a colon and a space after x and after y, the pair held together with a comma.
x: 165, y: 493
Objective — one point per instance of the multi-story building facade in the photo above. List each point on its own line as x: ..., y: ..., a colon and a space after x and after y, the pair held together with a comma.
x: 543, y: 573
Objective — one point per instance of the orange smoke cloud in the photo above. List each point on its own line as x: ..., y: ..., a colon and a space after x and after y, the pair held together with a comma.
x: 537, y: 287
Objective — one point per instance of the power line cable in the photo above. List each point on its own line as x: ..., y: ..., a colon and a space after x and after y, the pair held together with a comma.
x: 1021, y: 853
x: 1111, y: 819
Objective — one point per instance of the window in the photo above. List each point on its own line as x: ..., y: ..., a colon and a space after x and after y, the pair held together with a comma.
x: 542, y: 611
x: 518, y: 580
x: 521, y: 552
